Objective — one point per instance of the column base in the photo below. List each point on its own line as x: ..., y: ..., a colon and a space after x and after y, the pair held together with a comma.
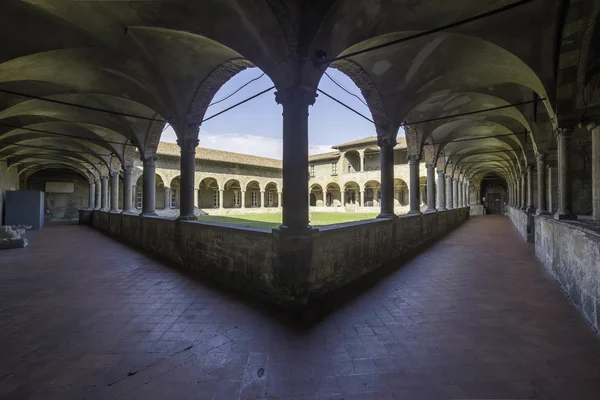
x: 115, y: 212
x: 564, y: 216
x: 442, y: 209
x: 295, y: 230
x: 130, y: 212
x: 430, y: 211
x: 148, y: 214
x: 386, y: 215
x: 530, y: 210
x: 541, y: 212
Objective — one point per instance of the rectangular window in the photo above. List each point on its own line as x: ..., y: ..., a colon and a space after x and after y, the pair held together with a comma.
x: 173, y: 198
x: 312, y: 171
x: 270, y: 199
x: 236, y: 198
x: 254, y: 200
x: 215, y: 198
x: 138, y: 199
x: 334, y: 168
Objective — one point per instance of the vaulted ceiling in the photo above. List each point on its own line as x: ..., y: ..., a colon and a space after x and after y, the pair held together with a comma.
x: 85, y: 83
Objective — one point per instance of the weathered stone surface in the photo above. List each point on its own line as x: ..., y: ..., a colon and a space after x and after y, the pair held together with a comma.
x: 286, y: 268
x: 520, y: 220
x: 13, y: 243
x: 571, y: 254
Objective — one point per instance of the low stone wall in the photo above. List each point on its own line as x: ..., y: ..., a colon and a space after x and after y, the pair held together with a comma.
x: 522, y: 221
x: 278, y: 266
x: 571, y: 255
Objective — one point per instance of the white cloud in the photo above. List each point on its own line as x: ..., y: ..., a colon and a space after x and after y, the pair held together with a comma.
x: 255, y: 145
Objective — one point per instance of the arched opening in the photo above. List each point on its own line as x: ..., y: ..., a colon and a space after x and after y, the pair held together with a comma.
x: 352, y: 161
x: 173, y: 192
x: 316, y: 195
x: 372, y: 158
x: 400, y: 193
x: 253, y: 195
x: 209, y: 195
x: 159, y: 199
x: 333, y: 198
x: 423, y: 190
x: 271, y: 195
x: 232, y: 194
x: 493, y: 193
x: 351, y: 193
x: 372, y: 194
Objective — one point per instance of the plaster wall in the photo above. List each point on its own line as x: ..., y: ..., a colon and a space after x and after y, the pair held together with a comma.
x: 288, y: 270
x: 571, y: 255
x: 9, y: 180
x: 61, y: 205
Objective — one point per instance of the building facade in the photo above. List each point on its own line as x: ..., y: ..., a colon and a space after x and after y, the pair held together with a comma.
x: 344, y: 180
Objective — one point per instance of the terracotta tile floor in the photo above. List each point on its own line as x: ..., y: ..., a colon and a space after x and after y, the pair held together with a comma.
x: 473, y: 317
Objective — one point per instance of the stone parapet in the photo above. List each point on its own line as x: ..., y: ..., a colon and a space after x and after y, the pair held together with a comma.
x: 289, y: 269
x: 523, y: 222
x: 570, y: 253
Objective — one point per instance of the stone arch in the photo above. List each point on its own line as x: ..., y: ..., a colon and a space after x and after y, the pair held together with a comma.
x: 316, y: 195
x: 400, y: 193
x: 232, y: 194
x: 333, y: 196
x: 160, y: 197
x: 174, y: 192
x: 351, y: 193
x: 271, y: 195
x: 372, y: 194
x: 253, y: 194
x: 209, y: 195
x: 351, y: 161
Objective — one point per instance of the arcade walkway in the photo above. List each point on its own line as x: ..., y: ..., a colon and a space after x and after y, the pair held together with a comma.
x: 474, y: 317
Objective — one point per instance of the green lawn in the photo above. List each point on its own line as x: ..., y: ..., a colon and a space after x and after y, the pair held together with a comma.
x: 273, y: 220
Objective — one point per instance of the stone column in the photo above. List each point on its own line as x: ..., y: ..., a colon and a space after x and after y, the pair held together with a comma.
x: 565, y: 195
x: 467, y: 195
x: 127, y: 189
x: 295, y: 101
x: 149, y: 187
x: 449, y: 198
x: 529, y: 208
x: 262, y: 199
x: 549, y: 191
x: 91, y: 196
x: 441, y: 191
x: 596, y: 172
x: 104, y: 193
x: 134, y: 197
x: 430, y: 188
x: 187, y: 166
x: 279, y: 196
x: 414, y: 187
x: 221, y: 192
x: 541, y: 184
x: 461, y: 200
x: 196, y: 191
x: 386, y: 146
x: 523, y: 204
x: 114, y: 191
x: 243, y: 199
x: 455, y: 193
x: 362, y: 198
x: 167, y: 198
x: 98, y: 192
x: 362, y: 161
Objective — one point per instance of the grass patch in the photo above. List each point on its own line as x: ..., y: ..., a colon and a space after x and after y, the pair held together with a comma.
x: 273, y: 220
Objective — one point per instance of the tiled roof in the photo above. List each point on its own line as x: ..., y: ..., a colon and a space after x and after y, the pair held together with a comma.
x: 370, y: 140
x: 172, y: 149
x: 324, y: 156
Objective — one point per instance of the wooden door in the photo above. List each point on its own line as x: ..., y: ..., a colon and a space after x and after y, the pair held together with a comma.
x: 494, y: 203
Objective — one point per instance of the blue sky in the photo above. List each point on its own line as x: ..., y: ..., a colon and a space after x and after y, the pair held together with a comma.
x: 255, y: 127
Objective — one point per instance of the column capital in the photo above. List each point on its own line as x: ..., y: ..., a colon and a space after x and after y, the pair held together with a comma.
x: 565, y: 131
x: 128, y: 169
x: 149, y: 160
x: 386, y: 142
x: 296, y: 95
x: 413, y: 159
x: 541, y: 157
x: 188, y: 142
x: 430, y: 166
